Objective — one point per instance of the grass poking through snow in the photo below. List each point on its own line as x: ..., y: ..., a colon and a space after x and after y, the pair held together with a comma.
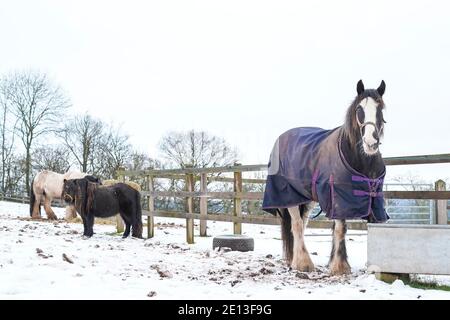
x: 427, y: 286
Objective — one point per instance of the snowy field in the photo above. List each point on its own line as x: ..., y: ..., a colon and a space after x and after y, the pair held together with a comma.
x: 50, y: 260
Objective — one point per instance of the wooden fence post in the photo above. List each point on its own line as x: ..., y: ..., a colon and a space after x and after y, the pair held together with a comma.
x: 440, y: 205
x: 237, y: 207
x: 151, y: 208
x: 203, y: 205
x: 190, y: 183
x: 119, y: 222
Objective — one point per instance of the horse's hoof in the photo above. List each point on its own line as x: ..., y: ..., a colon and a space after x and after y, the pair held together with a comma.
x: 304, y: 266
x: 307, y: 268
x: 84, y: 237
x: 339, y: 269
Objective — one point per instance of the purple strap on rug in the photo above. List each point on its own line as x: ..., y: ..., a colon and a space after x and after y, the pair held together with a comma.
x: 332, y: 195
x: 361, y: 193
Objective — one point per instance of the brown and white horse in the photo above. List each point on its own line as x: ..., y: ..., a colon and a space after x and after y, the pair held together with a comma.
x: 48, y: 185
x: 361, y: 134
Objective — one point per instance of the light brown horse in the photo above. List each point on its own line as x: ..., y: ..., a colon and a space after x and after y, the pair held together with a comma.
x: 48, y: 185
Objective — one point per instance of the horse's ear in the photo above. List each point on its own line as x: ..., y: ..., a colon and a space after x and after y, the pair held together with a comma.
x: 360, y: 87
x: 381, y: 88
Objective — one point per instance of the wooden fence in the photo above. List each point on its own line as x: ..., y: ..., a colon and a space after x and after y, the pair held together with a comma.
x: 26, y: 200
x: 191, y: 175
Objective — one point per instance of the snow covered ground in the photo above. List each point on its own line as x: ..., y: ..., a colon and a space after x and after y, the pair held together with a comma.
x: 50, y: 260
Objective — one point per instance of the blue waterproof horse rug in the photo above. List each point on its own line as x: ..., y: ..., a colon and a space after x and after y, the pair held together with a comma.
x: 307, y: 164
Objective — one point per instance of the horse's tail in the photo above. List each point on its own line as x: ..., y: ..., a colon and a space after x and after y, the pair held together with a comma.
x: 286, y: 234
x: 33, y: 199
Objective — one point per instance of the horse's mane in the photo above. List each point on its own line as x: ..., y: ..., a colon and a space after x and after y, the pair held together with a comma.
x: 350, y: 127
x: 85, y: 195
x: 90, y: 194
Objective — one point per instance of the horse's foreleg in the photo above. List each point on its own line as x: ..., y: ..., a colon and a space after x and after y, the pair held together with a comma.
x: 85, y: 226
x: 48, y: 209
x: 137, y: 230
x: 136, y: 223
x: 126, y: 233
x: 128, y: 221
x: 36, y: 214
x: 71, y: 213
x: 305, y: 213
x: 88, y: 224
x: 338, y: 259
x: 301, y: 260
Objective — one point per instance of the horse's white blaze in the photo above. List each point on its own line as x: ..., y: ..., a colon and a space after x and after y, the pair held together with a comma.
x: 369, y: 106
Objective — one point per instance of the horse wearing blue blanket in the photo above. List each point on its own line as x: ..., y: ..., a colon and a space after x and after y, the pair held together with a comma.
x: 341, y: 169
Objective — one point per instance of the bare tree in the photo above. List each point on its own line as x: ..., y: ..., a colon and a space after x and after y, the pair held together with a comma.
x: 412, y: 182
x: 141, y: 161
x: 198, y: 149
x: 54, y: 158
x: 7, y: 127
x: 38, y: 105
x: 114, y: 152
x: 83, y: 138
x: 14, y: 175
x: 97, y: 148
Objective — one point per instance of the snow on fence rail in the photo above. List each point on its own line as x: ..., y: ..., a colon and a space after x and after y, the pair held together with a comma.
x: 190, y: 175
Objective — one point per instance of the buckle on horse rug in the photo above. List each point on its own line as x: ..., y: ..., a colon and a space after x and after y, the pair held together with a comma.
x: 372, y: 194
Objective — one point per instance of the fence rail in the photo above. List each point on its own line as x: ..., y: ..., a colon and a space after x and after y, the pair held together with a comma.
x: 253, y: 219
x: 426, y: 195
x: 23, y: 199
x: 171, y: 173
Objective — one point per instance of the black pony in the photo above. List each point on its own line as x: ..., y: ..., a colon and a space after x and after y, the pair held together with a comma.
x: 93, y: 200
x: 341, y: 169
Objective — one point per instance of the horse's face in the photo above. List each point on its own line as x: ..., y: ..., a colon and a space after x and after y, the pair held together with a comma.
x: 369, y: 118
x: 70, y: 190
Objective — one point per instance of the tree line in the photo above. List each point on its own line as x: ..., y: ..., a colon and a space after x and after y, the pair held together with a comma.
x: 37, y: 134
x: 39, y: 131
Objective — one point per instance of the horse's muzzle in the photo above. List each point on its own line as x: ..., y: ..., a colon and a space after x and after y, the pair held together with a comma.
x: 68, y: 198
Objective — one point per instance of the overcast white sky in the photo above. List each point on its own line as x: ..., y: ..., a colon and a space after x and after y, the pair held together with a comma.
x: 244, y: 70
